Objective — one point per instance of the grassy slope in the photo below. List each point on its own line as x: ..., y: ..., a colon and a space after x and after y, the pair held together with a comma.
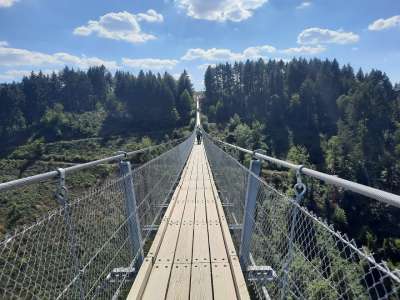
x: 24, y: 205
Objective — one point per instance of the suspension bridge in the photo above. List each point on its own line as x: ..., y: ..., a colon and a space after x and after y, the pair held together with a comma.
x: 192, y: 223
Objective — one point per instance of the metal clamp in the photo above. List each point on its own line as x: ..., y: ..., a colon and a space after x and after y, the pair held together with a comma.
x: 61, y: 193
x: 258, y: 151
x: 124, y: 153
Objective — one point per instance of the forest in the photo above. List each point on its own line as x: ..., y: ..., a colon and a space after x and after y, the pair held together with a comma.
x: 81, y: 104
x: 327, y: 117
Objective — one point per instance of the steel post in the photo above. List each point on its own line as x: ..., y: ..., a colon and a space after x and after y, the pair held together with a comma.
x: 134, y: 229
x: 250, y: 206
x: 62, y: 199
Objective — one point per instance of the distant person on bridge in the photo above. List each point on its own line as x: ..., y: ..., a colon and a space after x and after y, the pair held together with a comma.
x: 198, y: 135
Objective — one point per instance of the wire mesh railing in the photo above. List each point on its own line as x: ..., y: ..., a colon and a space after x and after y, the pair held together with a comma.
x: 82, y: 250
x: 309, y: 259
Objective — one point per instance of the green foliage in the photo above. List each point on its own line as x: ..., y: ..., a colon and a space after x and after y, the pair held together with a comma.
x: 184, y: 83
x: 30, y: 150
x: 339, y: 216
x: 322, y: 115
x: 56, y: 124
x: 12, y: 119
x: 185, y: 106
x: 298, y: 155
x: 245, y: 135
x: 242, y: 135
x: 152, y: 101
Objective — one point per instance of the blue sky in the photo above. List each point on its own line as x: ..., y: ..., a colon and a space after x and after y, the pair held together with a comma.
x: 174, y: 35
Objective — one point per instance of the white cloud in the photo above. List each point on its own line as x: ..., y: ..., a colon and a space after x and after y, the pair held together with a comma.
x: 317, y: 36
x: 306, y: 50
x: 22, y: 57
x: 150, y: 16
x: 215, y: 54
x: 3, y: 44
x: 254, y: 53
x: 221, y: 10
x: 382, y: 24
x: 12, y: 57
x: 304, y: 5
x: 122, y: 26
x: 150, y: 63
x: 7, y: 3
x: 259, y: 51
x: 83, y: 61
x: 17, y: 58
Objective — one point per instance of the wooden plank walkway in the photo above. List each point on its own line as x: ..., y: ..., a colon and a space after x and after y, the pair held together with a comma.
x: 192, y: 255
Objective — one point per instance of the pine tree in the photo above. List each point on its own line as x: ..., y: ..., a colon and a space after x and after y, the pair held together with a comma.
x: 184, y: 83
x: 184, y: 106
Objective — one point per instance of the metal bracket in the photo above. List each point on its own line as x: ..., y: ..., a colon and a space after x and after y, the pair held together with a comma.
x: 235, y: 226
x: 150, y: 227
x: 260, y: 273
x: 121, y: 273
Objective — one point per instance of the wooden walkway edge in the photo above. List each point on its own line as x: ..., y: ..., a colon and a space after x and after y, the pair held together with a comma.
x: 192, y: 255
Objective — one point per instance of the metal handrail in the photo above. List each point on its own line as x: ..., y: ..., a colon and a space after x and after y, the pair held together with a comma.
x: 382, y: 196
x: 53, y: 174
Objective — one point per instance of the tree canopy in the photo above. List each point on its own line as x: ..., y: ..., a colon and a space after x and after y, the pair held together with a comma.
x: 76, y: 103
x: 319, y: 113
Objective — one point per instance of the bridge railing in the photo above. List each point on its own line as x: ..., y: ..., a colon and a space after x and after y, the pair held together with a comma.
x: 299, y: 254
x: 87, y: 248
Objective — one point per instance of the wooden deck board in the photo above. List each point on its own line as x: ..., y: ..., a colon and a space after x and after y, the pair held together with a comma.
x: 217, y: 244
x: 179, y: 286
x: 201, y: 251
x: 200, y: 283
x: 157, y: 284
x: 183, y: 253
x: 139, y: 285
x: 222, y: 281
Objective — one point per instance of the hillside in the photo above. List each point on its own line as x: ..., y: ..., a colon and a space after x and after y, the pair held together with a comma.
x: 58, y: 120
x: 324, y: 116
